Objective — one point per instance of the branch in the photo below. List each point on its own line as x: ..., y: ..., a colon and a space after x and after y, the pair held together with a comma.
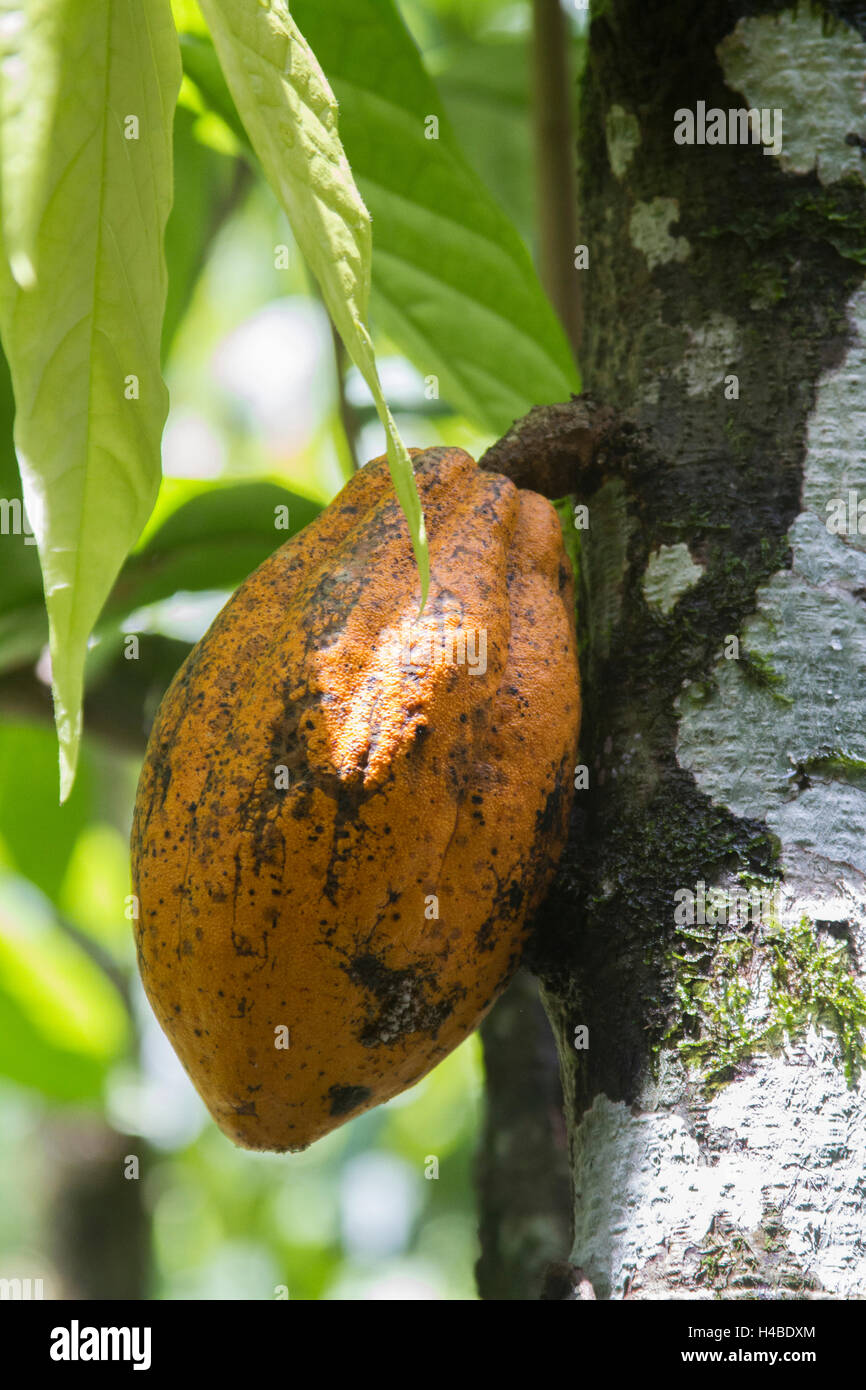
x: 102, y: 959
x: 119, y: 706
x: 558, y: 449
x: 349, y: 416
x: 555, y: 161
x: 523, y: 1180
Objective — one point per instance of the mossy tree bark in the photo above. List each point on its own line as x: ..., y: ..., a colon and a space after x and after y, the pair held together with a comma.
x: 717, y: 1116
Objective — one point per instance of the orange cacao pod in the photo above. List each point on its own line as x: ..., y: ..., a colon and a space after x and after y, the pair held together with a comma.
x: 347, y: 814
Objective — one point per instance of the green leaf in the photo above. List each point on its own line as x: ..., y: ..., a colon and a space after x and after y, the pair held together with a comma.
x: 38, y: 835
x: 487, y: 90
x: 290, y: 116
x: 30, y: 54
x: 485, y: 86
x: 89, y: 455
x: 20, y: 580
x: 204, y: 186
x: 467, y: 308
x: 202, y: 66
x: 211, y: 542
x: 61, y: 1023
x: 453, y: 283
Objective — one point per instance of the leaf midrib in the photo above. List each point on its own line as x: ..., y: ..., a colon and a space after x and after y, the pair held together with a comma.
x: 82, y: 510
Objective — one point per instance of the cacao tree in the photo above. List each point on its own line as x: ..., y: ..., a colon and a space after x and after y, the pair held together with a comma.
x: 706, y: 929
x: 675, y: 1098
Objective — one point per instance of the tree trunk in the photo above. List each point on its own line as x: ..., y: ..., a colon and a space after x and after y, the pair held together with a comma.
x: 101, y: 1235
x: 717, y: 1116
x: 523, y: 1177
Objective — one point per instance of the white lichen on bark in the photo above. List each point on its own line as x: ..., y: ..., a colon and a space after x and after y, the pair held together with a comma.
x: 783, y: 740
x: 622, y: 134
x: 711, y: 352
x: 811, y: 67
x: 670, y: 572
x: 776, y: 1154
x: 780, y: 735
x: 649, y: 1194
x: 649, y: 231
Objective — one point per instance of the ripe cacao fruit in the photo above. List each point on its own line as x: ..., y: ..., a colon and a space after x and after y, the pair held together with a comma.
x: 347, y: 813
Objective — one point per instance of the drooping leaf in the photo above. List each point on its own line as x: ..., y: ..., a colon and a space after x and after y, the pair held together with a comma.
x: 453, y: 283
x: 290, y: 116
x: 83, y: 342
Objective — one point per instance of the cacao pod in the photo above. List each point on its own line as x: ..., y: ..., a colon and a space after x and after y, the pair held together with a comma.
x: 346, y: 812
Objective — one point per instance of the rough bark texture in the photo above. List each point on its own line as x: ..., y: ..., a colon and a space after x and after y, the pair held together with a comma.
x: 716, y: 1118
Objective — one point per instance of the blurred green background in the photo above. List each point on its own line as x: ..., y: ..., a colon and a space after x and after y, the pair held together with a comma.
x: 260, y: 395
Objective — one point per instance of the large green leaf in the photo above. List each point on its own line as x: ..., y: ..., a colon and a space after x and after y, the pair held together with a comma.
x: 61, y: 1022
x: 30, y: 55
x: 290, y: 116
x: 452, y: 280
x: 485, y: 85
x: 487, y: 89
x: 202, y: 66
x: 211, y: 542
x: 38, y: 835
x: 453, y: 283
x: 87, y: 447
x: 204, y: 184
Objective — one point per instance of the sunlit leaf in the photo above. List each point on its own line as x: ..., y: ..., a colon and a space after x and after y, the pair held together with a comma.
x: 30, y: 85
x: 453, y: 283
x: 83, y: 342
x: 486, y: 90
x: 290, y: 116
